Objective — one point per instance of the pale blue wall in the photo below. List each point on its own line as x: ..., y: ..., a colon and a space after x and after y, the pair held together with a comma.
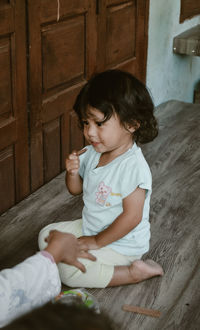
x: 169, y: 76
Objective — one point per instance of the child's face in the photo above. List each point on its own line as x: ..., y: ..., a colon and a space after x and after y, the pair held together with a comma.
x: 106, y: 136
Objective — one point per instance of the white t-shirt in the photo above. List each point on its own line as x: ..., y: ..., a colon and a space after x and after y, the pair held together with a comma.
x: 104, y: 189
x: 31, y: 284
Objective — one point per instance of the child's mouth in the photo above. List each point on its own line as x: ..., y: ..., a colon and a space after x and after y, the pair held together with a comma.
x: 95, y: 144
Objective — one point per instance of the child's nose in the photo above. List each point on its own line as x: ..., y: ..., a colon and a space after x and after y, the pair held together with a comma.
x: 91, y: 130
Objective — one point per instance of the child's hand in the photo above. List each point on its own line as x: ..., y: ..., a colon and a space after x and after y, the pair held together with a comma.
x: 88, y: 243
x: 65, y: 247
x: 73, y: 162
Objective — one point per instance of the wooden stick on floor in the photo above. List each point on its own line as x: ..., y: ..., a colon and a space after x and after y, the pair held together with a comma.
x: 140, y: 310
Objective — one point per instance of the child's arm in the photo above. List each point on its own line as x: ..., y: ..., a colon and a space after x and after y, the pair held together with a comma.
x: 130, y: 217
x: 73, y: 180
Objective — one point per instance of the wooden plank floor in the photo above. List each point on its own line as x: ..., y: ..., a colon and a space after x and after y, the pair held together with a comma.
x: 174, y: 158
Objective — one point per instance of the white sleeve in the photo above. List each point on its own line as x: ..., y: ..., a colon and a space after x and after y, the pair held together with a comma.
x: 30, y: 284
x: 134, y: 175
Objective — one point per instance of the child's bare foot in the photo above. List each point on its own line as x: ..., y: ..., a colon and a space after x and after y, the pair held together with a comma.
x: 142, y: 270
x: 138, y: 271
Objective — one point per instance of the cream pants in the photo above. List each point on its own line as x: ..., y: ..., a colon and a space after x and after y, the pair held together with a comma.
x: 98, y: 273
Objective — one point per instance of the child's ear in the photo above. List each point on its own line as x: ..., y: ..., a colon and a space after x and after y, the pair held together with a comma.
x: 133, y: 127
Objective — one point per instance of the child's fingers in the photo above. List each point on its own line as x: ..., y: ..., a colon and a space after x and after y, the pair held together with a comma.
x: 82, y: 245
x: 73, y: 168
x: 48, y: 238
x: 75, y: 154
x: 79, y: 265
x: 87, y: 255
x: 72, y: 163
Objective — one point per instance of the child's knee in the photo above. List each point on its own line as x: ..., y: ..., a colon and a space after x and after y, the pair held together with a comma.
x: 41, y: 240
x: 44, y: 232
x: 73, y: 277
x: 96, y: 276
x: 74, y: 227
x: 68, y: 274
x: 82, y: 281
x: 76, y: 280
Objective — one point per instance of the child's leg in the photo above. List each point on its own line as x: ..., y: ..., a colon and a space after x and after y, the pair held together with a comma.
x: 110, y: 268
x: 99, y: 273
x: 138, y: 271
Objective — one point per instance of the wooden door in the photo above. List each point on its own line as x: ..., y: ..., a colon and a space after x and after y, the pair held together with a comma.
x: 14, y: 172
x: 62, y: 55
x: 122, y: 35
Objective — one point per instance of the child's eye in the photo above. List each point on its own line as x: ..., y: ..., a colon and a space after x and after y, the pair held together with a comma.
x: 99, y: 123
x: 84, y: 122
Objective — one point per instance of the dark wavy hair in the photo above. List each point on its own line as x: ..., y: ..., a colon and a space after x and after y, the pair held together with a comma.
x: 119, y: 92
x: 62, y: 317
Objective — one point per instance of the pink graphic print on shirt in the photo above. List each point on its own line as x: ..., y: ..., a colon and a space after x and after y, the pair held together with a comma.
x: 103, y: 193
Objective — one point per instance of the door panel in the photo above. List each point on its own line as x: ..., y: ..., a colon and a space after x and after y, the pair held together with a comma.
x: 58, y: 55
x: 62, y: 49
x: 121, y: 21
x: 51, y: 140
x: 14, y: 172
x: 122, y: 36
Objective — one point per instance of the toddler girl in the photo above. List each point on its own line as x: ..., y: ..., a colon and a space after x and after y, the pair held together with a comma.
x: 115, y: 112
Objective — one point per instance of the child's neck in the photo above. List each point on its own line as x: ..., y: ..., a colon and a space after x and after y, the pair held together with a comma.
x: 108, y: 157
